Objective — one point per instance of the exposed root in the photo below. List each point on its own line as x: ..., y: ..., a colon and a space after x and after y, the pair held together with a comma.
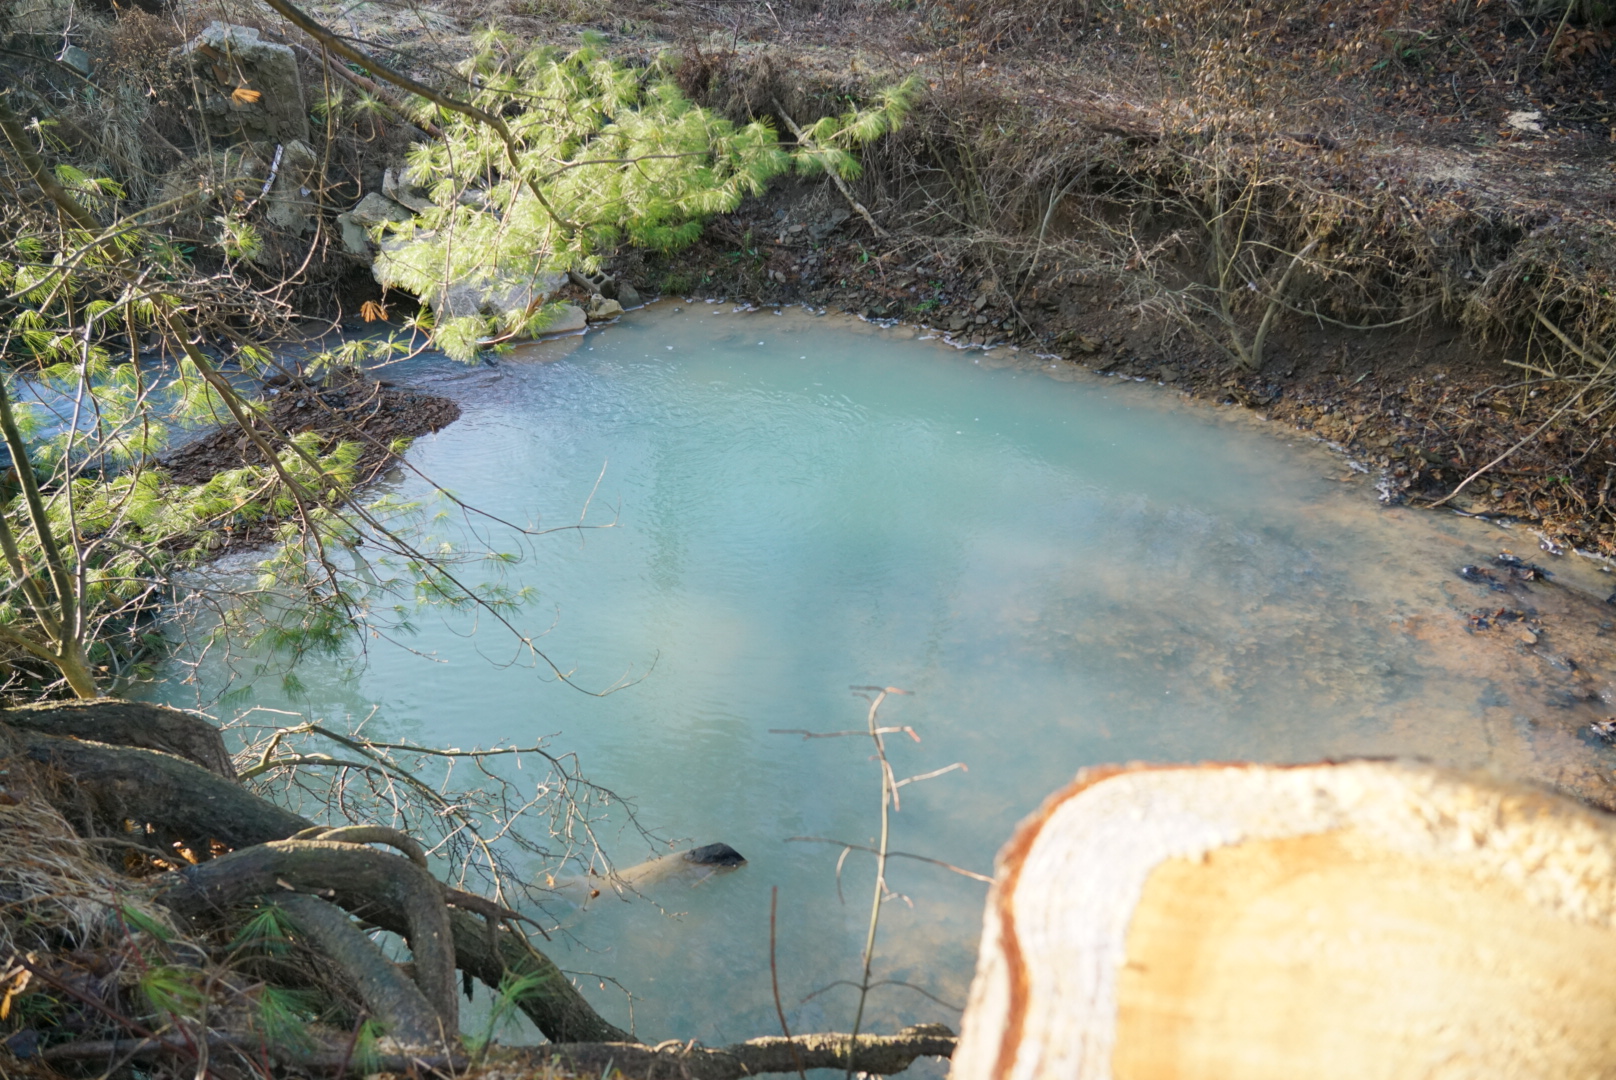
x: 211, y: 962
x: 360, y: 875
x: 389, y: 996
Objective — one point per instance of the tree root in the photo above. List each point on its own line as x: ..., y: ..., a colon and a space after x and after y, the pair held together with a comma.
x: 877, y: 1054
x: 115, y: 787
x: 368, y: 834
x: 393, y: 882
x: 489, y: 952
x: 128, y: 723
x: 390, y: 997
x: 164, y: 791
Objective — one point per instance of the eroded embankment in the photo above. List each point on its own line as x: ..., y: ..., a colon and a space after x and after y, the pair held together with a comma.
x: 1412, y: 258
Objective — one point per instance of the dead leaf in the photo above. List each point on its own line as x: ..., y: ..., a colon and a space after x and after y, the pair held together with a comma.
x: 243, y: 96
x: 18, y: 984
x: 373, y: 311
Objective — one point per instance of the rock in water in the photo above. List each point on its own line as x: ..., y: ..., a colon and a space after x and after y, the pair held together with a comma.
x: 569, y: 320
x: 1351, y: 920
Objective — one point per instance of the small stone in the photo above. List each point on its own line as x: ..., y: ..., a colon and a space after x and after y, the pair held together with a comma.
x: 353, y: 235
x: 956, y: 323
x: 981, y: 320
x: 401, y: 191
x: 375, y: 209
x: 1526, y: 636
x: 795, y: 229
x: 570, y: 319
x: 980, y: 302
x: 76, y: 58
x: 628, y: 295
x: 601, y: 308
x: 1086, y: 344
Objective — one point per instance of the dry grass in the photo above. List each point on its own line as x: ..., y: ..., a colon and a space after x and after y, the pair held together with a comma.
x: 1234, y: 166
x: 56, y: 890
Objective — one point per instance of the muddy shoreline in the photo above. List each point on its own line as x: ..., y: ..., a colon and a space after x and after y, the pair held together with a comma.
x: 1422, y: 410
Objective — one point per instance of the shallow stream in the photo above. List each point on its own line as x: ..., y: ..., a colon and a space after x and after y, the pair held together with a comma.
x: 1064, y: 569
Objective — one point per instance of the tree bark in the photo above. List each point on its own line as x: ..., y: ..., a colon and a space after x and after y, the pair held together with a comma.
x: 391, y: 881
x: 115, y: 787
x: 129, y: 723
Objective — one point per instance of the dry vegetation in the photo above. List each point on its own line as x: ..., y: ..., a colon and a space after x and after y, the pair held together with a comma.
x: 1314, y: 209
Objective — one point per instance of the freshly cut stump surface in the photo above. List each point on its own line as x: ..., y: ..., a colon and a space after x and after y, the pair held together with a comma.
x: 1363, y: 920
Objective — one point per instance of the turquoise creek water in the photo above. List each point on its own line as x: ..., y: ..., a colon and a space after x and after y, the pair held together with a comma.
x: 1064, y: 569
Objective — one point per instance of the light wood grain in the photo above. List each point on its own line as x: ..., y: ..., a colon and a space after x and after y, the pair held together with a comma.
x: 1369, y: 919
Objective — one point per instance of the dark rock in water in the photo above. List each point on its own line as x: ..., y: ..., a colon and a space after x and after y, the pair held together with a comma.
x: 1603, y: 730
x: 1524, y: 570
x: 715, y: 855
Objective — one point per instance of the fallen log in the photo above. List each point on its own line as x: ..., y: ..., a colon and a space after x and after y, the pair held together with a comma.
x: 874, y: 1054
x: 1367, y: 919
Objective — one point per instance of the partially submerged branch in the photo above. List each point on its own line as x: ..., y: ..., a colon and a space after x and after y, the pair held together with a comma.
x: 880, y: 1055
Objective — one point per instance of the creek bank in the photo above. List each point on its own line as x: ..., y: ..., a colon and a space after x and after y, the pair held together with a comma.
x: 1427, y: 406
x: 1422, y: 409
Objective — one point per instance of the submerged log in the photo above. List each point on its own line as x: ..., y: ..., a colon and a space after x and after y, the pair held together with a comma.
x: 1367, y: 919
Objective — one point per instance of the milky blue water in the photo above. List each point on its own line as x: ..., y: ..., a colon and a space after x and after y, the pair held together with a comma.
x: 1063, y: 570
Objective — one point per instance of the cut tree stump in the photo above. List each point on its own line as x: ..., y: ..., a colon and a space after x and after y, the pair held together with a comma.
x: 1364, y: 920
